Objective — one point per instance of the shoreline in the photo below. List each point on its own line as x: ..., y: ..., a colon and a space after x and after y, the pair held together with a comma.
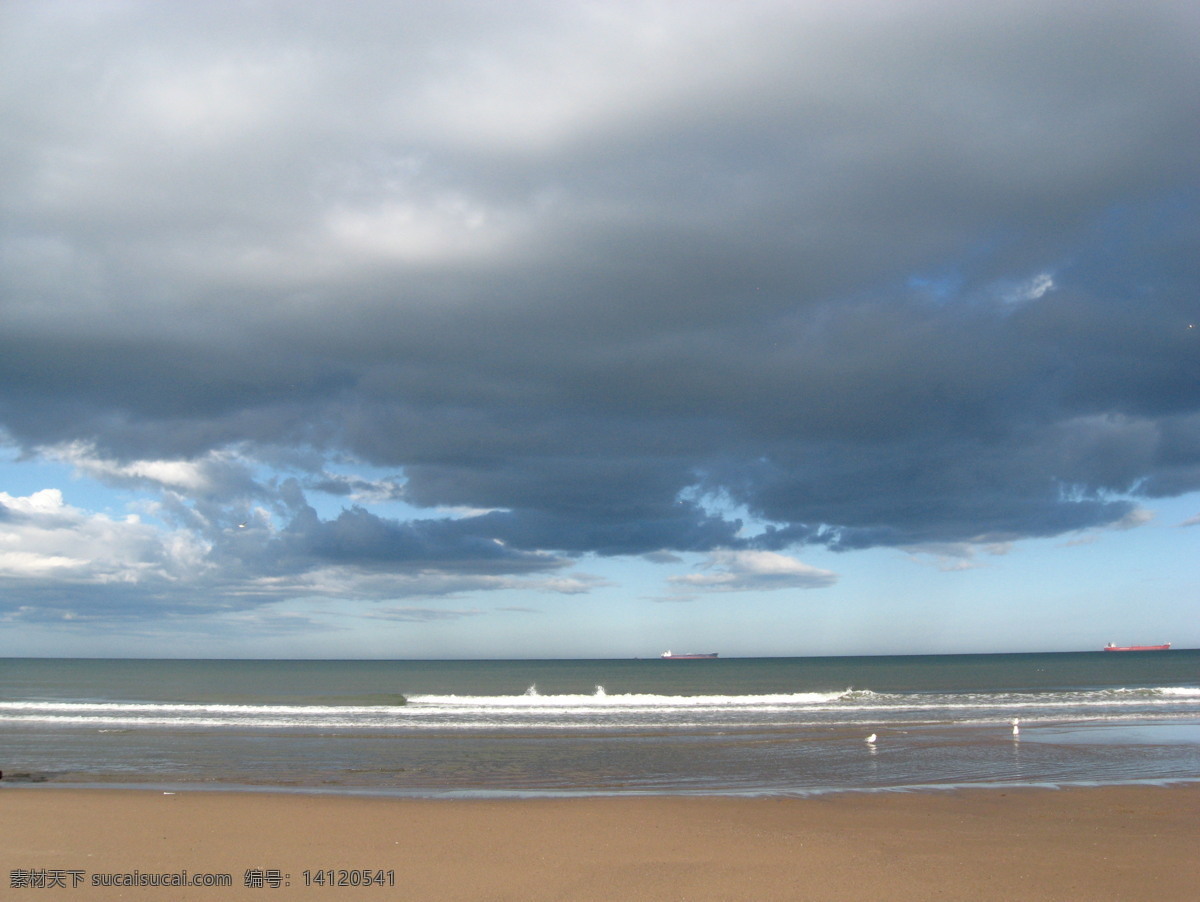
x: 1001, y: 842
x: 795, y: 762
x: 17, y: 783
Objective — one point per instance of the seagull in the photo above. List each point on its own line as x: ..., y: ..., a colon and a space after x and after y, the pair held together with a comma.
x: 1016, y: 724
x: 870, y: 740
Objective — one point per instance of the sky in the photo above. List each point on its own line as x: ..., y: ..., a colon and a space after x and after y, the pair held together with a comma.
x: 592, y: 329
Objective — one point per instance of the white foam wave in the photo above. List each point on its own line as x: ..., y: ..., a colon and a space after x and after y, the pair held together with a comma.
x: 603, y: 710
x: 170, y: 708
x: 602, y: 699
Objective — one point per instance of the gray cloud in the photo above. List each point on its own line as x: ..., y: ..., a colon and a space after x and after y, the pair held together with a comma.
x: 361, y: 538
x: 878, y: 276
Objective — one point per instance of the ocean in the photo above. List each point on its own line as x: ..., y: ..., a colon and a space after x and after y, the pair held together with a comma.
x: 749, y: 726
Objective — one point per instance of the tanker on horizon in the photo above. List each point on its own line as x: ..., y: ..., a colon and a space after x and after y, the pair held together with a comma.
x: 1112, y: 646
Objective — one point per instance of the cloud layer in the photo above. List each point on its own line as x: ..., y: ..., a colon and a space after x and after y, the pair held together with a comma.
x: 596, y: 276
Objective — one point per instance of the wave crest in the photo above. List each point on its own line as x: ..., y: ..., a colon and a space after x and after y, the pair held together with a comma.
x: 531, y: 698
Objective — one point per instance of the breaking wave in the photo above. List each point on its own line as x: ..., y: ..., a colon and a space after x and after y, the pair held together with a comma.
x: 600, y: 698
x: 602, y: 710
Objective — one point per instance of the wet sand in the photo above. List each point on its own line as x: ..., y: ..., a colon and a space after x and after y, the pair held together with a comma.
x: 1031, y: 844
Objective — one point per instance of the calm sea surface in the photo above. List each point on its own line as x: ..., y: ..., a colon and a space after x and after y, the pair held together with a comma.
x: 783, y: 726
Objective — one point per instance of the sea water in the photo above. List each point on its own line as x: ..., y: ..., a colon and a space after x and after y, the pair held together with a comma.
x: 781, y: 726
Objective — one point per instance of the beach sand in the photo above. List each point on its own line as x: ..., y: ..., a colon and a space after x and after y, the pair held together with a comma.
x: 1015, y: 844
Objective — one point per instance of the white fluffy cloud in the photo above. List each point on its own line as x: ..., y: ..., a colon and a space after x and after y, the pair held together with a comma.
x: 218, y: 472
x: 736, y: 571
x: 42, y: 537
x: 50, y: 546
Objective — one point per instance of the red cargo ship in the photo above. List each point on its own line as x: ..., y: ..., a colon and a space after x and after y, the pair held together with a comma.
x: 1112, y: 647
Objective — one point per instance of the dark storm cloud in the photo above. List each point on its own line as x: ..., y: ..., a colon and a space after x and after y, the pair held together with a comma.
x: 361, y: 538
x: 879, y: 275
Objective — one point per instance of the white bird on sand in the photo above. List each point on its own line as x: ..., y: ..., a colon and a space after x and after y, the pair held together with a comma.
x: 870, y: 739
x: 1016, y: 722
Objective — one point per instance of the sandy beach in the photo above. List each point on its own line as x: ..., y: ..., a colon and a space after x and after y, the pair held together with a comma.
x: 1103, y: 843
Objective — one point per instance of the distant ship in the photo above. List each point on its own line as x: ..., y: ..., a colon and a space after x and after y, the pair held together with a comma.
x: 667, y: 656
x: 1112, y: 647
